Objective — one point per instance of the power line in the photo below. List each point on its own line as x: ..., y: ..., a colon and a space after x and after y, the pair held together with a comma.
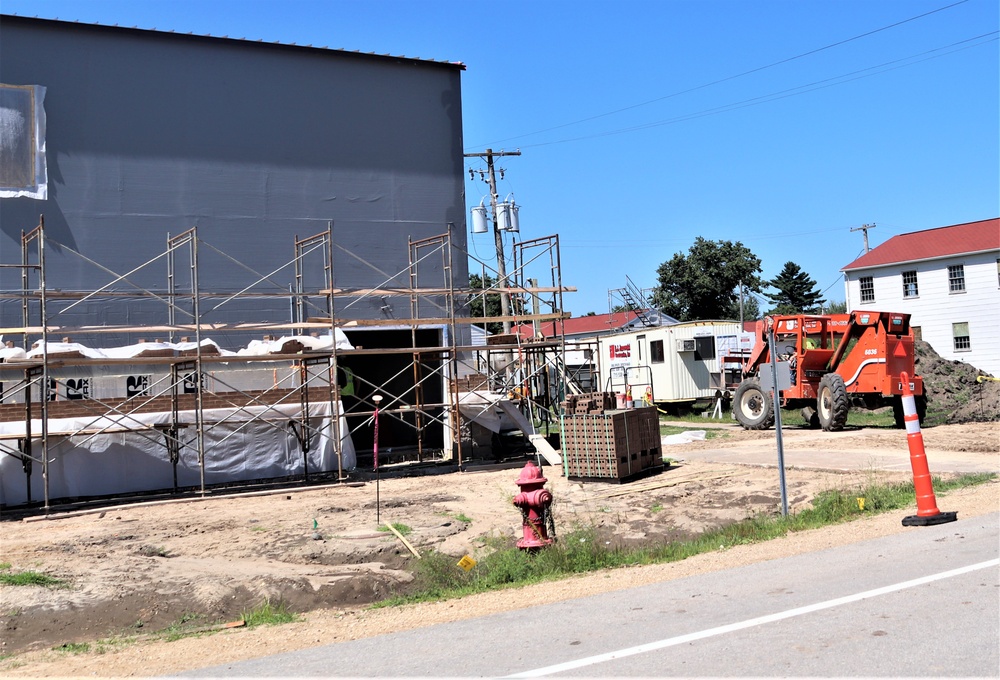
x: 733, y: 77
x: 790, y: 92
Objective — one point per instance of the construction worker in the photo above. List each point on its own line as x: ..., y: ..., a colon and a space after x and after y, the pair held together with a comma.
x: 346, y: 382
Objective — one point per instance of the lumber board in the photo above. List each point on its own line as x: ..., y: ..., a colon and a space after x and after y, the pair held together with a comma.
x: 402, y: 538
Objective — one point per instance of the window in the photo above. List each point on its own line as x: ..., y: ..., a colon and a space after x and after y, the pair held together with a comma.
x: 960, y: 333
x: 22, y: 142
x: 910, y: 284
x: 656, y: 351
x: 956, y: 278
x: 867, y: 288
x: 704, y: 348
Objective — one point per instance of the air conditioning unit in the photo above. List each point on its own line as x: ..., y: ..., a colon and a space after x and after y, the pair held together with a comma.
x: 685, y: 344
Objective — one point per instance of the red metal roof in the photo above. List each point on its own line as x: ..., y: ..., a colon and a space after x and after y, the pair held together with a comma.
x: 971, y: 237
x: 598, y: 323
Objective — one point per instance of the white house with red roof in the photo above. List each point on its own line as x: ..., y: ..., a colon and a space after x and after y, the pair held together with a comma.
x: 947, y: 279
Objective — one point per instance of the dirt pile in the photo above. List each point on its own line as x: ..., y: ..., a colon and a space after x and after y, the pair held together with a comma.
x: 957, y: 392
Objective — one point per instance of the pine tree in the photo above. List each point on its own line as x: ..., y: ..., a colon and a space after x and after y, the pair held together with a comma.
x: 797, y: 292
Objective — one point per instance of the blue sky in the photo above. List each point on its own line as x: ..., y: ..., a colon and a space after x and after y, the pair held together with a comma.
x: 644, y: 124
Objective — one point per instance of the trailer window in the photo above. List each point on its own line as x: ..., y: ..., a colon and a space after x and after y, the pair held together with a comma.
x: 704, y: 348
x: 656, y: 352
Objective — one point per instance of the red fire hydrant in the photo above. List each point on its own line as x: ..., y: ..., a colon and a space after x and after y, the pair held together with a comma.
x: 534, y: 502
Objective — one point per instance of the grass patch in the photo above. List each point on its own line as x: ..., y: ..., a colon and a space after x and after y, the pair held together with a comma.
x: 179, y: 629
x: 860, y: 417
x: 73, y: 647
x: 856, y: 417
x: 4, y: 566
x: 30, y: 578
x: 462, y: 517
x: 438, y: 577
x: 269, y: 614
x: 398, y: 526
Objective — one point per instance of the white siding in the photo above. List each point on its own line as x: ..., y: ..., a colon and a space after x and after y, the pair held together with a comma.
x: 680, y: 376
x: 935, y: 309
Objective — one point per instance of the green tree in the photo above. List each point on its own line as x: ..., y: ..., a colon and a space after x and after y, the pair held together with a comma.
x: 488, y: 304
x: 797, y: 293
x: 836, y: 307
x: 485, y: 304
x: 751, y: 308
x: 704, y: 284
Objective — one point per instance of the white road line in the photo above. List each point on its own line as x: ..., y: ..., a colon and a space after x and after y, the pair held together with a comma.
x: 749, y: 623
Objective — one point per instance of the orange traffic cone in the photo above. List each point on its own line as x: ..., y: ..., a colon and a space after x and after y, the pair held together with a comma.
x: 927, y: 511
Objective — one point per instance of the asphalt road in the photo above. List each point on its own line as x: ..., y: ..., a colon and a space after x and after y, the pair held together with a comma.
x: 925, y: 602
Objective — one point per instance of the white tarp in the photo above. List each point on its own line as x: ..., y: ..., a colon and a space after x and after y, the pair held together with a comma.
x: 135, y: 457
x: 683, y: 438
x: 285, y: 344
x: 483, y: 408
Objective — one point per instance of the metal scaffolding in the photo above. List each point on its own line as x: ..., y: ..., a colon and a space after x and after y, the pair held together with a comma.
x: 213, y: 389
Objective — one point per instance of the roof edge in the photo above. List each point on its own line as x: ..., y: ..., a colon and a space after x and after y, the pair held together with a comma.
x: 922, y: 259
x: 190, y: 35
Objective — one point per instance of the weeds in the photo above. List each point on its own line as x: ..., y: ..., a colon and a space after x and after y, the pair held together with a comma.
x: 438, y: 577
x: 403, y: 529
x: 462, y: 517
x: 30, y: 578
x: 73, y: 647
x: 269, y: 614
x: 178, y: 629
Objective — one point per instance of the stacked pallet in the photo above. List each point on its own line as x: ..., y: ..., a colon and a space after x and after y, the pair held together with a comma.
x: 475, y: 382
x: 595, y: 402
x: 612, y: 445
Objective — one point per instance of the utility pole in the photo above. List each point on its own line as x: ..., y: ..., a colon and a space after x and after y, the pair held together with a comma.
x: 865, y: 228
x: 489, y: 154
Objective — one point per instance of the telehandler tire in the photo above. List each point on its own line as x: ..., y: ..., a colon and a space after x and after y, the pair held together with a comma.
x: 832, y: 403
x: 753, y: 406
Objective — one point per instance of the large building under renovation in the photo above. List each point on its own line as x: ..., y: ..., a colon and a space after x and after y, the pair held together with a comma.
x: 156, y: 184
x: 147, y: 134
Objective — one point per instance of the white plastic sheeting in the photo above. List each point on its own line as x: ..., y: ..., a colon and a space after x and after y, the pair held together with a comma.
x: 484, y: 409
x: 286, y: 344
x: 683, y: 437
x: 134, y: 458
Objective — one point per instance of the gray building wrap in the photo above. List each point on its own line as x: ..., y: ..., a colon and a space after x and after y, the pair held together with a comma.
x: 151, y: 133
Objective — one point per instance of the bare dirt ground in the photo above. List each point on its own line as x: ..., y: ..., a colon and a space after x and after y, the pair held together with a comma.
x: 136, y: 570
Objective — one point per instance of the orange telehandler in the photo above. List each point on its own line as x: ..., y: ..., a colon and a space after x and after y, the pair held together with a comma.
x: 833, y: 361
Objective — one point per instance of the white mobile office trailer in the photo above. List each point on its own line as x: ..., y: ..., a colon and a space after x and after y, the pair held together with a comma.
x: 672, y: 365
